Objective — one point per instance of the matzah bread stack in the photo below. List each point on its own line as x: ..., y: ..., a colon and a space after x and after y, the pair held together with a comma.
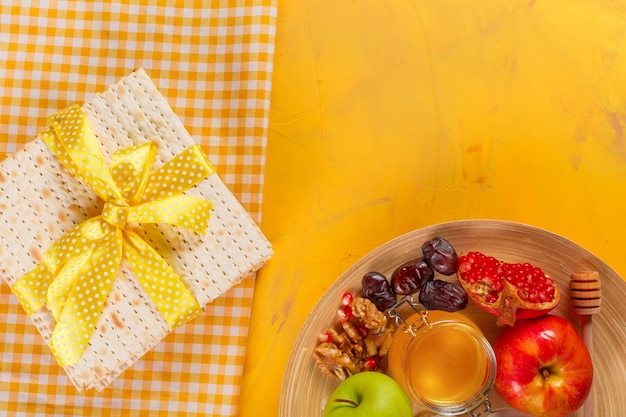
x: 40, y: 201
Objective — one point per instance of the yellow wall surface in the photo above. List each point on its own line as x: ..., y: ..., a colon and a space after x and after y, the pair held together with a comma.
x: 392, y: 115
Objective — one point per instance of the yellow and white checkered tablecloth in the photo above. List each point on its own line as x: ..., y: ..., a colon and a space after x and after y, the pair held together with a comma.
x: 212, y: 60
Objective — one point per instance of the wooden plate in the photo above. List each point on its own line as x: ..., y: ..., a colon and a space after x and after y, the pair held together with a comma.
x: 305, y: 390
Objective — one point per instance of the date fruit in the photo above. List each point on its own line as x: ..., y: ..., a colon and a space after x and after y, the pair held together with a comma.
x: 409, y: 277
x: 378, y: 290
x: 441, y: 256
x: 443, y: 295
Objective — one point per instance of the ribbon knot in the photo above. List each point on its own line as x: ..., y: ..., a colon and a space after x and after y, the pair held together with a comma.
x: 78, y: 270
x: 115, y: 212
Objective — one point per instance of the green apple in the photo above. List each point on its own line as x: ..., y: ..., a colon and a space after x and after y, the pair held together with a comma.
x: 368, y: 394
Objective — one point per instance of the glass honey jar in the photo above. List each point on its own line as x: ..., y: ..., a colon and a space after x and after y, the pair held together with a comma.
x: 443, y: 361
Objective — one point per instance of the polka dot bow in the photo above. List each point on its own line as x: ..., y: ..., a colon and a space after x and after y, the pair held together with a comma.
x: 77, y: 271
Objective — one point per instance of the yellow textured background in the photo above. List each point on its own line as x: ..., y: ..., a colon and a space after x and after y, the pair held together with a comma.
x: 392, y: 115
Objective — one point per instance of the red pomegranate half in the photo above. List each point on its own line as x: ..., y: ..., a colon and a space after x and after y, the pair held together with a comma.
x: 508, y: 291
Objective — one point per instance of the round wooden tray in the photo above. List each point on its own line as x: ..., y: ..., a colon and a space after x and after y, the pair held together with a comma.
x: 305, y: 389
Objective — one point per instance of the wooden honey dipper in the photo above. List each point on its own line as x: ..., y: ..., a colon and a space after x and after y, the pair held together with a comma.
x: 586, y: 296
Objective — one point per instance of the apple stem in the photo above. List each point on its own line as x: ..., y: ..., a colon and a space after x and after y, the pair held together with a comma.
x: 344, y: 400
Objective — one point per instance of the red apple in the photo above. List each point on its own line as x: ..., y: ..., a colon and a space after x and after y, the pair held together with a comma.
x: 543, y: 367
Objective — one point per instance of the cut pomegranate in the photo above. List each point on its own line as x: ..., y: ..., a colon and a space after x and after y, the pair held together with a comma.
x: 508, y: 291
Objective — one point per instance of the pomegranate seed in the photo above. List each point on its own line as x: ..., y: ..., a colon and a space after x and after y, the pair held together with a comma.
x: 370, y: 363
x: 344, y: 314
x: 347, y: 299
x: 363, y: 331
x: 325, y: 337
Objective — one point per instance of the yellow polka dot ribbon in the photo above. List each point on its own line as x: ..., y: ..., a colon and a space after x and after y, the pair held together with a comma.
x: 78, y: 270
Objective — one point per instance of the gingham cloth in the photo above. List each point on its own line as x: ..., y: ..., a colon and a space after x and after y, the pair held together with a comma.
x: 212, y: 61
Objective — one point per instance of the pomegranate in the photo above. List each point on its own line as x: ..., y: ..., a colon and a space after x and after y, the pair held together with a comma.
x: 508, y: 291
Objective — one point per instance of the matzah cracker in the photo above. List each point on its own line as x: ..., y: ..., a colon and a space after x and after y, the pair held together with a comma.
x: 40, y: 201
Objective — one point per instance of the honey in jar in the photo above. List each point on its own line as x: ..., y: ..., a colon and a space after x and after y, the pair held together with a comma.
x: 446, y: 365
